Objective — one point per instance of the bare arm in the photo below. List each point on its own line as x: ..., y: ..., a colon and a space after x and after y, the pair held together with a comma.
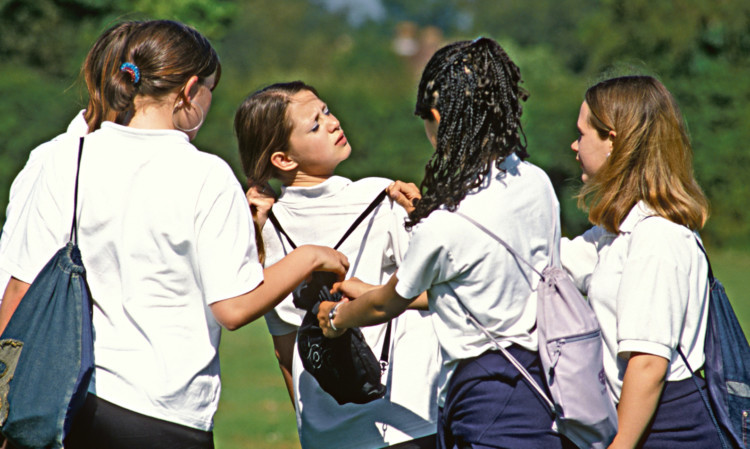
x: 356, y: 288
x: 278, y: 281
x: 641, y: 389
x: 283, y: 346
x: 373, y: 307
x: 14, y: 292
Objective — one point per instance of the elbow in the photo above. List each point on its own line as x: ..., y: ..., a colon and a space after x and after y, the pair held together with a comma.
x: 231, y: 326
x: 226, y: 316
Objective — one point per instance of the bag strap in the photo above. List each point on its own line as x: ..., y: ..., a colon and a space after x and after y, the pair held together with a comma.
x: 362, y: 216
x: 74, y: 225
x: 694, y: 374
x: 385, y: 352
x: 501, y: 241
x: 526, y: 375
x: 704, y: 397
x: 514, y: 361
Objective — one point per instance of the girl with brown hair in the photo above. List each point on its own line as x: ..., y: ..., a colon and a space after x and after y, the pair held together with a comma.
x: 641, y: 265
x: 166, y: 236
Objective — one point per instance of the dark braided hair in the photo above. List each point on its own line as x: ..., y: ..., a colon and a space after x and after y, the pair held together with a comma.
x: 475, y: 88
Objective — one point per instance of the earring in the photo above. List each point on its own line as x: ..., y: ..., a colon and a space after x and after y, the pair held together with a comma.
x: 179, y: 106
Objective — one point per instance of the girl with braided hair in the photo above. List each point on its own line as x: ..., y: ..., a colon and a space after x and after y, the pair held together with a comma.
x: 470, y: 99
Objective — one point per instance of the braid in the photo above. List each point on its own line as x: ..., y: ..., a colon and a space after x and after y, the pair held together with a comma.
x: 475, y: 87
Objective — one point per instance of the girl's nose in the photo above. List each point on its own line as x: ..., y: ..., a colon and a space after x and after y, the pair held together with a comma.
x: 333, y: 123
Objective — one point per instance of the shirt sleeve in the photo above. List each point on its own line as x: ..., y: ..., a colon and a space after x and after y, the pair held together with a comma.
x: 580, y: 256
x: 227, y: 255
x: 653, y: 293
x: 425, y: 263
x: 41, y: 218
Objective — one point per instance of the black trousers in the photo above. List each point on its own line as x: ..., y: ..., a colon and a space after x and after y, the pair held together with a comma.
x: 101, y: 424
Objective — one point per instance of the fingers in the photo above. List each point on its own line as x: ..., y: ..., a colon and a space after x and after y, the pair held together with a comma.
x: 404, y: 194
x: 331, y: 260
x: 260, y: 197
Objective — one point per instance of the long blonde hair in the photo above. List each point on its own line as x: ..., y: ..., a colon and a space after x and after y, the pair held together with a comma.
x: 651, y: 158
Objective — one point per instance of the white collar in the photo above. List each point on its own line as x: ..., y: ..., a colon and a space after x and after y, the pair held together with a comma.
x: 638, y: 213
x: 329, y: 187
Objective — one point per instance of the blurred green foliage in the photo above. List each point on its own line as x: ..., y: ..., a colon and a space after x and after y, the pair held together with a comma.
x: 699, y: 49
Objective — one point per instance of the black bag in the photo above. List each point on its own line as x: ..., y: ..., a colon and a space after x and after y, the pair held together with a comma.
x: 345, y: 367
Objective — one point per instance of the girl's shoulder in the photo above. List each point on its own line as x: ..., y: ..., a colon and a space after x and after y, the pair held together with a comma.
x: 661, y: 237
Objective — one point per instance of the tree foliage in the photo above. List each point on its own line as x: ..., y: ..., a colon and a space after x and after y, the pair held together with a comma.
x: 699, y: 49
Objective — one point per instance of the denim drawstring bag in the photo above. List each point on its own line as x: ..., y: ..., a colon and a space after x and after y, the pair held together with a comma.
x: 46, y: 351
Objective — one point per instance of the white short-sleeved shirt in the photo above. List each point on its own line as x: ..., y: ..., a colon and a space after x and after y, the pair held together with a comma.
x: 24, y: 181
x: 449, y: 257
x: 320, y: 215
x: 648, y: 286
x: 164, y: 231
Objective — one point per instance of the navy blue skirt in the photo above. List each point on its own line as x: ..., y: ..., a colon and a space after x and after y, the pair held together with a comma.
x: 489, y: 405
x: 681, y: 420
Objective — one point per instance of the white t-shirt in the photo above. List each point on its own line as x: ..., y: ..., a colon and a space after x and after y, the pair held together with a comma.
x: 321, y: 215
x: 24, y: 181
x: 449, y: 257
x: 164, y: 231
x: 648, y: 286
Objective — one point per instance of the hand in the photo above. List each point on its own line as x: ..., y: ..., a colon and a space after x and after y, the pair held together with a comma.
x: 323, y: 321
x: 352, y: 288
x: 404, y: 194
x: 328, y: 259
x: 260, y: 197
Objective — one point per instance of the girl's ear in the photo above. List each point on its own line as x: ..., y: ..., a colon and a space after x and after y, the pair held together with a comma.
x: 190, y: 90
x: 283, y: 162
x: 435, y: 114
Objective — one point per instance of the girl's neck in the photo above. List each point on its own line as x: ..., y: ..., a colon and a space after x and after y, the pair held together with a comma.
x: 305, y: 180
x: 151, y: 115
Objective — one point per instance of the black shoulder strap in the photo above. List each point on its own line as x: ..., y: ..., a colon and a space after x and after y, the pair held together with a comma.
x: 278, y: 227
x: 348, y: 232
x: 74, y: 225
x: 384, y: 353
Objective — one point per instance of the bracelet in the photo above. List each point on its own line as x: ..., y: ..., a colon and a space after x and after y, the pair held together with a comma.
x: 332, y: 315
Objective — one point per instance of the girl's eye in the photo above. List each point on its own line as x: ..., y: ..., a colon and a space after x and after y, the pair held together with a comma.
x: 315, y: 127
x: 326, y: 111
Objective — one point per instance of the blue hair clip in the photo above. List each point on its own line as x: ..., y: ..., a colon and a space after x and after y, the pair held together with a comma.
x: 477, y: 39
x: 132, y: 70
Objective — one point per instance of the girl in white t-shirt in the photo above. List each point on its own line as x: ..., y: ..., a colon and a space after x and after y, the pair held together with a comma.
x: 108, y: 45
x: 285, y: 131
x: 641, y: 264
x: 470, y: 99
x: 166, y: 236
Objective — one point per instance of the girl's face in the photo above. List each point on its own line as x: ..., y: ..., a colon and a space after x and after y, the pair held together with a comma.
x: 591, y: 150
x: 317, y: 142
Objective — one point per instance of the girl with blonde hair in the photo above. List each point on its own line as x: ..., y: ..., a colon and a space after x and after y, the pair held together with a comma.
x: 642, y: 265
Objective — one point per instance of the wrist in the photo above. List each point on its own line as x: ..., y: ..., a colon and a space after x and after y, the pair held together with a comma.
x: 332, y: 315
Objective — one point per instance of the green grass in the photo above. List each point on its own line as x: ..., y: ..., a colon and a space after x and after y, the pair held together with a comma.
x: 731, y: 268
x: 255, y: 411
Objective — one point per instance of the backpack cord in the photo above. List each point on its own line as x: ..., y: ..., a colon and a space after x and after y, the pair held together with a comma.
x: 74, y: 225
x: 693, y: 374
x: 526, y: 375
x: 384, y: 354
